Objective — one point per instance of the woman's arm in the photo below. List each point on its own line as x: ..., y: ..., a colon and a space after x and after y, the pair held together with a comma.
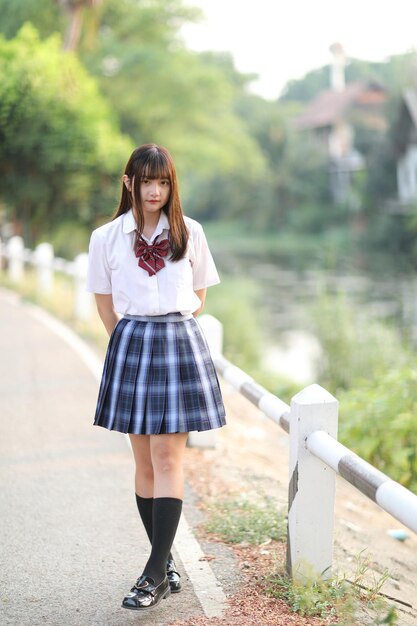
x: 106, y: 311
x: 201, y: 293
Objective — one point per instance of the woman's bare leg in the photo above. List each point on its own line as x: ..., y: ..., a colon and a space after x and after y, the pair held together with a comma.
x: 160, y: 480
x: 167, y: 454
x: 144, y: 475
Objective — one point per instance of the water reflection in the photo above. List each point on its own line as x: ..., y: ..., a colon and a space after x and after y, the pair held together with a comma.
x: 289, y: 297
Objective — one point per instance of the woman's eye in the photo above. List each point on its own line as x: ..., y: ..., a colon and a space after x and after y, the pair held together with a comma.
x: 164, y: 182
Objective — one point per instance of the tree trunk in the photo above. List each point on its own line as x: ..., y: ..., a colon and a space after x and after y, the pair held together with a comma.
x: 72, y: 36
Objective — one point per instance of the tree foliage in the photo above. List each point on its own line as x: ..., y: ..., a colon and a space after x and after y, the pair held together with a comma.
x: 378, y: 423
x: 161, y: 92
x: 43, y: 14
x: 239, y: 156
x: 59, y: 147
x: 165, y: 93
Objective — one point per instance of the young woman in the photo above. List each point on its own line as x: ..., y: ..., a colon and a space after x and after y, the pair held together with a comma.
x: 152, y: 266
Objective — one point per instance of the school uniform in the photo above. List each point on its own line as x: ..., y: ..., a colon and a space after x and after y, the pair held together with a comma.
x: 158, y: 375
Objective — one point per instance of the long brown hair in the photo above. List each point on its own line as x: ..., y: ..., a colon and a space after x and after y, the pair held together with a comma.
x: 153, y: 161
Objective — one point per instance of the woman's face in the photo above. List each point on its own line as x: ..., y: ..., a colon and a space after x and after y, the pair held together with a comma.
x: 154, y: 194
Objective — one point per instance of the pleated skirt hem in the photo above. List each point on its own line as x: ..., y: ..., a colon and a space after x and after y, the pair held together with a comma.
x: 159, y: 377
x: 128, y: 432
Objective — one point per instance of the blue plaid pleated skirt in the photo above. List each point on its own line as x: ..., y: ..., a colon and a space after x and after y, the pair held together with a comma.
x: 159, y: 377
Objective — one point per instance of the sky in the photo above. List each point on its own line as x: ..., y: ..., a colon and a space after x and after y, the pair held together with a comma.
x: 282, y: 40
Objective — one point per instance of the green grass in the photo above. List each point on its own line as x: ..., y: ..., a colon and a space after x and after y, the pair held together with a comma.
x: 242, y: 521
x: 356, y: 347
x: 313, y: 597
x: 339, y: 598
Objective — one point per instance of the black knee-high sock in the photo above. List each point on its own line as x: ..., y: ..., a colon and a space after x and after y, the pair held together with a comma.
x: 145, y: 508
x: 166, y: 515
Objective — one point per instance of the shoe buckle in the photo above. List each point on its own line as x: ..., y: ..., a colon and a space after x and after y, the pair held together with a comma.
x: 143, y: 585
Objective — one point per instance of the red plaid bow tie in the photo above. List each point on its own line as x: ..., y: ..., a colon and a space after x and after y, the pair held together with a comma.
x: 149, y: 254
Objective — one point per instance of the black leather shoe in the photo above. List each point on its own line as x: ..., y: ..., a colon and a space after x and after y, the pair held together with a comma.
x: 145, y: 594
x: 173, y: 576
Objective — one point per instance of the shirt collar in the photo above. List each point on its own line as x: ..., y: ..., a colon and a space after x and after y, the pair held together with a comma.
x: 129, y: 223
x: 163, y: 224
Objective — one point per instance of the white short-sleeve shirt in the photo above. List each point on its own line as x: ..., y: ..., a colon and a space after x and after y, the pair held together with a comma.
x: 113, y: 269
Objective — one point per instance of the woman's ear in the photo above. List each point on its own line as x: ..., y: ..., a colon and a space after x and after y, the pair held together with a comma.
x: 127, y: 182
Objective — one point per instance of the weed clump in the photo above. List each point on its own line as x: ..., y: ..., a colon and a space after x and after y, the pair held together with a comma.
x: 241, y: 521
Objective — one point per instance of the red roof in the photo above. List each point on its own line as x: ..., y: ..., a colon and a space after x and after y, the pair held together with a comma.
x: 328, y: 107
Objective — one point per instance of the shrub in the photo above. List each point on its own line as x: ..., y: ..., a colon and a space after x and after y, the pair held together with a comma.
x: 377, y: 420
x: 355, y: 346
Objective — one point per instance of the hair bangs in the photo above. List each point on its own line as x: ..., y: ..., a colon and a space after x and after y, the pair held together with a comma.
x: 156, y: 166
x: 155, y: 162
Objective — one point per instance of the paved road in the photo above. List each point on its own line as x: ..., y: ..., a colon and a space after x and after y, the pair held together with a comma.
x: 71, y: 542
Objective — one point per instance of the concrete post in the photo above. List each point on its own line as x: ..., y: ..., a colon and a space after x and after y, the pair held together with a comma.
x: 311, y: 487
x: 83, y: 302
x: 15, y: 254
x: 213, y: 331
x: 44, y: 258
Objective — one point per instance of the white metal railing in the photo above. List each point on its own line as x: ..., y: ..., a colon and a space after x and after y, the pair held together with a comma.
x: 315, y: 457
x: 311, y: 421
x: 46, y: 264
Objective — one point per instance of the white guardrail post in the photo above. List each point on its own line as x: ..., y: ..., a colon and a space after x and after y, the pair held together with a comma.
x: 311, y: 487
x: 213, y: 331
x: 83, y: 300
x: 44, y: 260
x: 15, y: 251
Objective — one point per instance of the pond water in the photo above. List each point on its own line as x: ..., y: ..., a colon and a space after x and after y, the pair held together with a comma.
x: 289, y: 295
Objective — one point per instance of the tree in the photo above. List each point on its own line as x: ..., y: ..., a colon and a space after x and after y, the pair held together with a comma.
x: 293, y: 189
x: 60, y: 149
x: 162, y: 92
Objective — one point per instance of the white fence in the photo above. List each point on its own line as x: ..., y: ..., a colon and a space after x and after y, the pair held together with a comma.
x: 311, y: 421
x: 315, y: 458
x: 46, y: 264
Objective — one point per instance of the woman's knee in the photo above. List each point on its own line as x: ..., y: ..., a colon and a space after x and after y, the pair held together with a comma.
x: 165, y: 458
x: 144, y: 471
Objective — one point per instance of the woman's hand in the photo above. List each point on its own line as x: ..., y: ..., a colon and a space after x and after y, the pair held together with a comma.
x: 201, y: 293
x: 106, y: 311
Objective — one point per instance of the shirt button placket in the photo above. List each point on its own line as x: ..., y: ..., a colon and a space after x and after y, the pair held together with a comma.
x: 155, y: 295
